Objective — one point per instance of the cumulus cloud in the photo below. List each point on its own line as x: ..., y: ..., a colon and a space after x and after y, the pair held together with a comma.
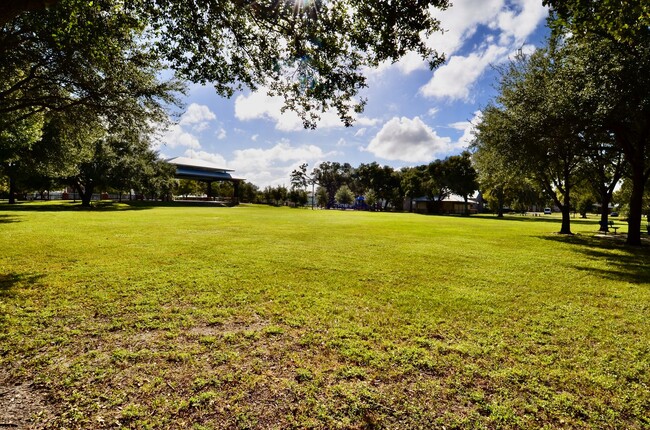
x: 197, y: 116
x: 259, y: 105
x: 273, y: 166
x: 467, y: 127
x: 517, y: 23
x: 194, y: 120
x: 221, y: 134
x: 262, y: 167
x: 175, y: 136
x: 454, y: 79
x: 407, y: 140
x: 509, y: 24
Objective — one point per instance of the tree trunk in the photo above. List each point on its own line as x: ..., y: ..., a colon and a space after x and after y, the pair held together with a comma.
x: 636, y: 206
x: 566, y: 220
x: 500, y: 202
x: 604, y: 212
x: 566, y: 212
x: 12, y: 190
x: 86, y: 194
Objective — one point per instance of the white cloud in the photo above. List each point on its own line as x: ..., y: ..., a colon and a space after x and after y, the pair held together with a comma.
x: 433, y: 111
x: 221, y: 134
x: 407, y: 140
x: 341, y: 142
x: 360, y: 132
x: 467, y: 127
x: 207, y: 156
x: 508, y: 23
x: 264, y: 167
x: 174, y: 136
x: 254, y: 137
x: 518, y: 23
x: 281, y: 152
x: 197, y: 116
x: 259, y: 105
x: 454, y: 80
x: 273, y: 166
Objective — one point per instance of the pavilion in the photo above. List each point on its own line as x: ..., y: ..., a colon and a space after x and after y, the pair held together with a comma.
x: 204, y: 171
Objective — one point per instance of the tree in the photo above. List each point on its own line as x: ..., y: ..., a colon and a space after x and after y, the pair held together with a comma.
x: 344, y: 195
x: 311, y: 53
x: 300, y: 179
x: 498, y: 180
x: 17, y: 135
x: 462, y: 176
x: 538, y: 124
x: 80, y: 67
x: 322, y: 197
x: 383, y: 180
x: 371, y: 199
x: 279, y: 194
x: 122, y: 161
x: 438, y: 184
x: 415, y: 181
x: 248, y: 192
x: 81, y: 53
x: 603, y: 168
x: 611, y: 41
x: 623, y: 22
x: 330, y: 176
x: 185, y: 187
x: 298, y: 197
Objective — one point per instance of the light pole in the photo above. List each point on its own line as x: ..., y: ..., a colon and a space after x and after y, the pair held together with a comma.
x: 313, y: 196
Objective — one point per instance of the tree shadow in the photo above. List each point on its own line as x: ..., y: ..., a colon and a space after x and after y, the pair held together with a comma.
x: 625, y: 263
x: 101, y: 206
x: 8, y: 219
x: 8, y: 281
x: 527, y: 218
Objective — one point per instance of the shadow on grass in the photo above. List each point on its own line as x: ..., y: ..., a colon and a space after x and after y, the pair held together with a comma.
x: 107, y: 206
x: 8, y: 219
x: 525, y: 218
x: 7, y: 283
x: 624, y: 263
x: 57, y: 206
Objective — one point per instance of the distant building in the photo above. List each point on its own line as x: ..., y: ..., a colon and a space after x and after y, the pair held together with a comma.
x: 452, y: 204
x: 204, y: 171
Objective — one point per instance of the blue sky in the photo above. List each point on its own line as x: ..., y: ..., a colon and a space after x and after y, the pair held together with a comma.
x: 413, y: 115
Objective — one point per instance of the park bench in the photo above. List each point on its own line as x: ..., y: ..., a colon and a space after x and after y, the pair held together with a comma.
x: 610, y: 224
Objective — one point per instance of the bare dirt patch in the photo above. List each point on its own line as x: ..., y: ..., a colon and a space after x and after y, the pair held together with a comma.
x: 22, y: 406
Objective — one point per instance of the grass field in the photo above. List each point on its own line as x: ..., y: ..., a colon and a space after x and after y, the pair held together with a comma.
x: 257, y: 317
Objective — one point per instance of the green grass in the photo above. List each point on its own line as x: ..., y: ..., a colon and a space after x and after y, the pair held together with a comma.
x: 257, y: 317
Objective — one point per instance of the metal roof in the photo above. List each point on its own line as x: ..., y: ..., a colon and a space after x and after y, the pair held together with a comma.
x: 197, y: 164
x: 191, y: 168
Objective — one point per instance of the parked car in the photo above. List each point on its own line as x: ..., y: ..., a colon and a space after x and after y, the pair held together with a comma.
x: 614, y: 214
x: 547, y: 211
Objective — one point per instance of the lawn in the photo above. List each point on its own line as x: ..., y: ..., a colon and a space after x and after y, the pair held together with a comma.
x: 174, y: 317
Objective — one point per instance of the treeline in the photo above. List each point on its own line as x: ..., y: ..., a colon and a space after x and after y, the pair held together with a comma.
x: 573, y: 119
x: 383, y: 187
x: 81, y: 96
x: 114, y: 163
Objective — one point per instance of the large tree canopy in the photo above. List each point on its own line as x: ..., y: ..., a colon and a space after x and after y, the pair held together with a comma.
x: 621, y: 21
x: 612, y: 39
x: 312, y: 52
